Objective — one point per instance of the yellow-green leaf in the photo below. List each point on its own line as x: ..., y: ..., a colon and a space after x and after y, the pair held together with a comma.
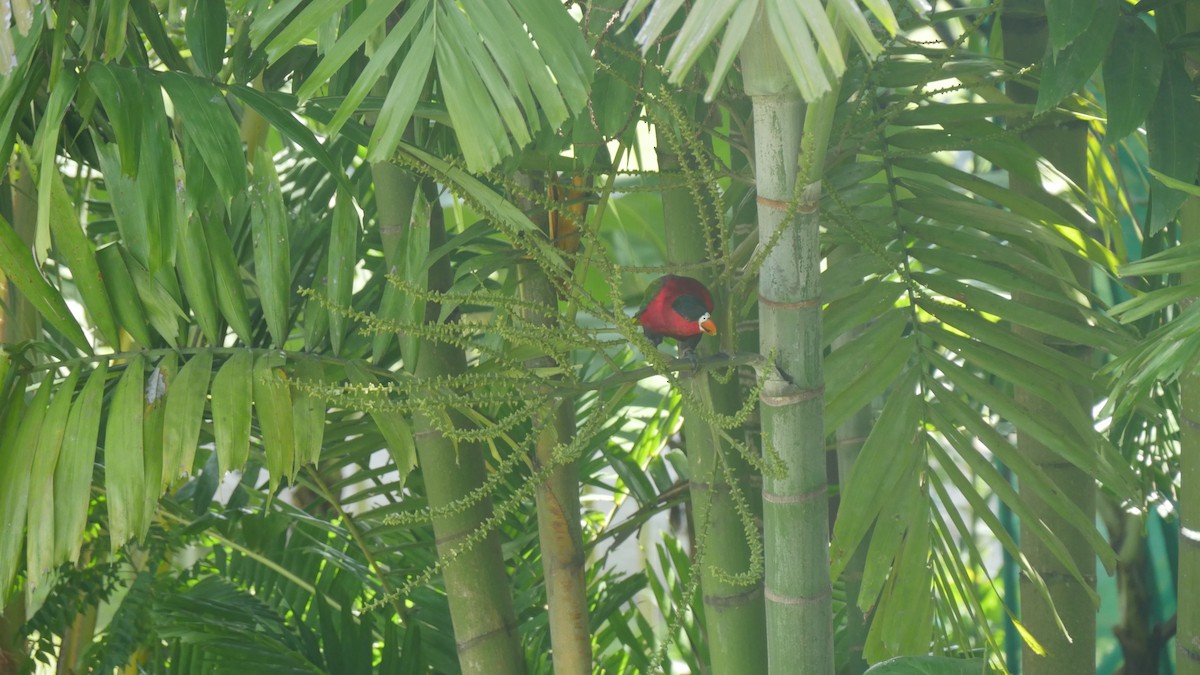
x: 273, y: 406
x: 16, y: 259
x: 17, y: 448
x: 124, y: 465
x: 119, y: 284
x: 159, y: 384
x: 272, y: 258
x: 392, y: 425
x: 73, y: 475
x: 308, y: 411
x: 231, y: 390
x: 184, y: 415
x: 39, y: 548
x: 343, y: 247
x: 231, y: 295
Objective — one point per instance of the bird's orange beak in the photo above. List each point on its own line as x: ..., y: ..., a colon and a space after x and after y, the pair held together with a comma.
x: 708, y: 327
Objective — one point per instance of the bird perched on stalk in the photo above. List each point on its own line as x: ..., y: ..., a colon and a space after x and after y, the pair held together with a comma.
x: 679, y: 308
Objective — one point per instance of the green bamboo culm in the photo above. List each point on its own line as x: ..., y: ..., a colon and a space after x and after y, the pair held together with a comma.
x: 1064, y: 142
x: 1187, y: 637
x: 477, y: 585
x: 795, y: 505
x: 560, y: 530
x: 732, y: 595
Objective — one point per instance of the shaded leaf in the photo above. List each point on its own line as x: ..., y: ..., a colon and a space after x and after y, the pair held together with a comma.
x: 1132, y: 71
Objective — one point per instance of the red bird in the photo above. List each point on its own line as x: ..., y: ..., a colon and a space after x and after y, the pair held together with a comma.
x: 679, y: 308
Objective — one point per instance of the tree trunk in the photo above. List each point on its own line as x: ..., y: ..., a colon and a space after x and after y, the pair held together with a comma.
x: 477, y: 584
x: 1064, y: 143
x: 734, y: 613
x: 795, y: 502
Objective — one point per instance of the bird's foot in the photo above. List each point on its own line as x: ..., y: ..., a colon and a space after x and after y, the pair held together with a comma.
x: 689, y: 355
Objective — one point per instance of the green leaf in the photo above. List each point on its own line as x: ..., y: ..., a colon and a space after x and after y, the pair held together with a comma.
x: 343, y: 255
x: 162, y: 310
x: 1132, y: 71
x: 231, y: 296
x: 284, y: 121
x: 348, y: 43
x: 731, y: 44
x: 194, y: 262
x: 18, y: 447
x: 272, y: 257
x: 1069, y: 19
x: 158, y: 387
x: 700, y: 27
x: 39, y: 547
x: 207, y: 121
x: 1175, y: 184
x: 206, y: 32
x: 73, y: 475
x: 79, y: 255
x: 157, y: 177
x: 929, y: 665
x: 402, y: 96
x: 895, y: 515
x: 1173, y: 139
x: 308, y: 410
x: 184, y: 415
x: 121, y: 290
x: 16, y: 260
x: 1066, y: 71
x: 124, y: 463
x: 45, y: 146
x: 128, y: 204
x: 383, y: 57
x: 300, y: 27
x: 795, y: 45
x: 880, y: 466
x: 121, y: 95
x: 394, y: 427
x: 951, y: 412
x: 273, y: 407
x: 231, y: 396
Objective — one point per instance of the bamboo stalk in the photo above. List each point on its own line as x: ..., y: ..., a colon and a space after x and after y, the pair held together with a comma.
x: 795, y: 504
x: 477, y: 584
x: 734, y: 612
x: 560, y: 531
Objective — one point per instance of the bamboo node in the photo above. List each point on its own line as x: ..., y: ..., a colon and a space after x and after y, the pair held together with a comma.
x: 778, y: 599
x: 790, y: 395
x: 732, y: 600
x: 772, y: 203
x: 777, y: 304
x: 774, y: 498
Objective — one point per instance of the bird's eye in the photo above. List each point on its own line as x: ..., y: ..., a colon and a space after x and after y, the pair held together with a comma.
x: 705, y: 317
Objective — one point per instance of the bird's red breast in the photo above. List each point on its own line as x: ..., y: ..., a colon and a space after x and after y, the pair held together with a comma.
x: 659, y: 314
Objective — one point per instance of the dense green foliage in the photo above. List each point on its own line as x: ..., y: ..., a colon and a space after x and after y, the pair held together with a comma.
x: 306, y: 301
